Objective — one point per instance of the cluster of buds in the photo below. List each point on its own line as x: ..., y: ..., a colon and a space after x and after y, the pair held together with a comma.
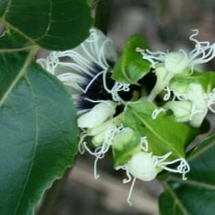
x: 86, y: 72
x: 190, y: 90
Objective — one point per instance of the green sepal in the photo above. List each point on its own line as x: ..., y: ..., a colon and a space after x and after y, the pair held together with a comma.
x: 125, y: 145
x: 131, y: 67
x: 206, y: 80
x: 163, y: 134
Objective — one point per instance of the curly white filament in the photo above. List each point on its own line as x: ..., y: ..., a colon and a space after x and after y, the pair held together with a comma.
x: 157, y: 111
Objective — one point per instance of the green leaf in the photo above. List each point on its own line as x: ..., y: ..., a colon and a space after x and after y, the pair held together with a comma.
x: 206, y: 80
x: 38, y: 132
x: 131, y: 67
x: 196, y: 195
x: 163, y: 134
x: 51, y: 24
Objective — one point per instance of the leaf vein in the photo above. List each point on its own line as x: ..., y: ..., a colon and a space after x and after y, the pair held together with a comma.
x: 155, y: 133
x: 34, y: 148
x: 17, y: 78
x: 177, y: 200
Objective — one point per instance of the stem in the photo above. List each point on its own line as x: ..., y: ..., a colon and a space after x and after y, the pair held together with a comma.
x: 162, y: 81
x: 52, y: 194
x: 103, y: 14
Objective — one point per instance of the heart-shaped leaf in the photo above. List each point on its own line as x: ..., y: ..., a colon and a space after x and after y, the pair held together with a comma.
x: 38, y: 132
x: 51, y: 24
x: 196, y: 195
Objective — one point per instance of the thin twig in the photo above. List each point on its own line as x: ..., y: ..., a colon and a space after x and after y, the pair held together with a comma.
x: 102, y: 17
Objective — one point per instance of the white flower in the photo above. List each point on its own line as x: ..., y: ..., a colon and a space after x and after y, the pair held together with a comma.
x: 86, y: 70
x: 145, y: 166
x: 168, y: 65
x: 192, y: 104
x: 103, y: 141
x: 199, y: 103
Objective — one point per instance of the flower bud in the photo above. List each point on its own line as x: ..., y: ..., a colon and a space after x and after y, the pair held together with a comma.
x: 97, y: 115
x: 195, y: 95
x: 142, y: 166
x: 181, y: 109
x: 126, y: 143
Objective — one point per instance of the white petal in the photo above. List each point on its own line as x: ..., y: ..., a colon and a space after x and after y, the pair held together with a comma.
x: 181, y: 109
x: 176, y: 62
x: 198, y: 118
x: 97, y: 115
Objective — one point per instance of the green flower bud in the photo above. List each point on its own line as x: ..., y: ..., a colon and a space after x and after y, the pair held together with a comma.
x: 126, y: 143
x: 193, y: 100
